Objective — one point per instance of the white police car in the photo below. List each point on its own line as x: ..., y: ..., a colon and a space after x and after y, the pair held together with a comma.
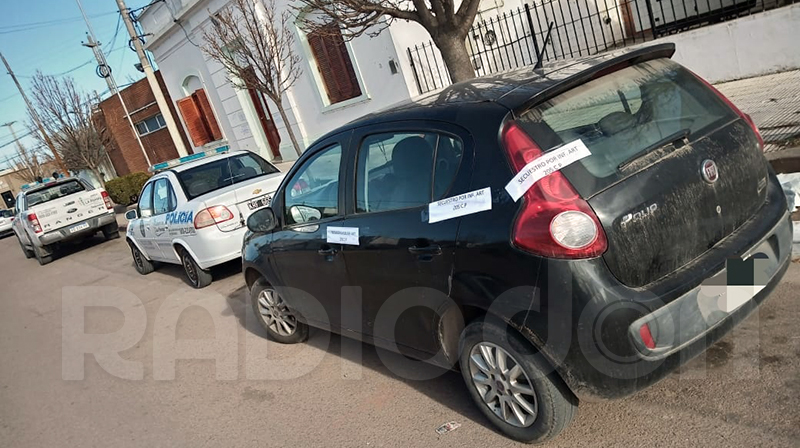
x: 193, y: 210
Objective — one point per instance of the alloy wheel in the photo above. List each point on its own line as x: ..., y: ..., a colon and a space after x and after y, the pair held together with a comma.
x: 275, y: 313
x: 503, y: 384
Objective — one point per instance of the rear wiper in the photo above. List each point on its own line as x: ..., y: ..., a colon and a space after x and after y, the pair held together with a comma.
x: 672, y: 138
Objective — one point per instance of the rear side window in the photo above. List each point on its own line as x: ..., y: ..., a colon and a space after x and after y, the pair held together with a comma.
x: 223, y: 173
x: 624, y: 115
x: 404, y: 170
x: 54, y: 192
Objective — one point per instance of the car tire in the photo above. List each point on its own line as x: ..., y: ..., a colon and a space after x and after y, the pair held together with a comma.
x: 140, y: 262
x: 527, y: 401
x: 111, y: 232
x: 274, y: 316
x: 44, y: 255
x: 197, y: 277
x: 28, y: 253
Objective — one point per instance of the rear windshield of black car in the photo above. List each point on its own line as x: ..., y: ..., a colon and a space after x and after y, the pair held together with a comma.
x: 53, y: 192
x: 624, y: 115
x: 6, y: 214
x: 223, y: 173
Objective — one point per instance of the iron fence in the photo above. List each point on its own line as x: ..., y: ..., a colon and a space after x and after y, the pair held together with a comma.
x: 514, y: 38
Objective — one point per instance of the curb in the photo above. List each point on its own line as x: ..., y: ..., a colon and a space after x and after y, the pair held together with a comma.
x: 785, y: 160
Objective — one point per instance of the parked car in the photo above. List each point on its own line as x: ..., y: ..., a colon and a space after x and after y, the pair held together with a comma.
x: 560, y: 235
x: 56, y: 211
x: 6, y: 218
x: 193, y: 211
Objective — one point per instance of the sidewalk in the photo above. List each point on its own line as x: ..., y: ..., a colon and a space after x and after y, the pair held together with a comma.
x: 773, y: 101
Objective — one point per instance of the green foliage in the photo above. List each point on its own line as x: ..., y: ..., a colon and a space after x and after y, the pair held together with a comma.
x: 123, y: 190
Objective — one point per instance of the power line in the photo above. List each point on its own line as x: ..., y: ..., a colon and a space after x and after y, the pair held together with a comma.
x: 47, y: 23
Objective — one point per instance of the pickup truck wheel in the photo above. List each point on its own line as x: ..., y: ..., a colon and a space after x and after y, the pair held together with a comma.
x: 28, y: 253
x: 512, y: 385
x: 43, y: 255
x: 142, y: 264
x: 198, y: 278
x: 274, y: 316
x: 111, y: 232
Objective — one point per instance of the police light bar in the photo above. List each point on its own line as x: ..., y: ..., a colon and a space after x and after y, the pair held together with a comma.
x: 175, y: 162
x: 39, y: 184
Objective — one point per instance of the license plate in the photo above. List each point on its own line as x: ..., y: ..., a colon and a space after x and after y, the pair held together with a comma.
x: 79, y: 227
x: 261, y: 201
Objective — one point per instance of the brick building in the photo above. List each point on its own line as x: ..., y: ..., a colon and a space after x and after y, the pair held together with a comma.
x: 124, y: 150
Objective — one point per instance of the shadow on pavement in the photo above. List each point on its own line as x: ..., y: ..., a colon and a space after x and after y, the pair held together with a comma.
x: 446, y: 387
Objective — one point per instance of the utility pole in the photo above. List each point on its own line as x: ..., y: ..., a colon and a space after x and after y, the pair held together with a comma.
x: 36, y: 119
x: 151, y: 79
x: 105, y: 72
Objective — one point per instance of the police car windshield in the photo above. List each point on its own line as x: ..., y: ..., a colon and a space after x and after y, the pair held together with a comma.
x: 222, y: 173
x: 52, y: 192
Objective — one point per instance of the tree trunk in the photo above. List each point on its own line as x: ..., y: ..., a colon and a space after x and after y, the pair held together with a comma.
x: 456, y: 57
x: 97, y: 176
x: 288, y: 125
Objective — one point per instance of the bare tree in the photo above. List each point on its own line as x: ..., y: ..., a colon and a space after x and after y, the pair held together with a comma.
x: 447, y: 25
x: 30, y: 164
x: 66, y: 114
x: 255, y: 44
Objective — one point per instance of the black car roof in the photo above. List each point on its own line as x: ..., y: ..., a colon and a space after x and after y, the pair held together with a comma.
x: 513, y: 89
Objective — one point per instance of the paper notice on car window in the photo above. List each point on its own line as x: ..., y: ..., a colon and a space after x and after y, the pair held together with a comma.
x: 463, y: 204
x: 343, y: 235
x: 544, y: 165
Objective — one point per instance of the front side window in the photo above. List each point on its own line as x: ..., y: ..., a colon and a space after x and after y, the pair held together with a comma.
x: 222, y: 173
x: 146, y: 201
x: 313, y: 191
x: 404, y: 170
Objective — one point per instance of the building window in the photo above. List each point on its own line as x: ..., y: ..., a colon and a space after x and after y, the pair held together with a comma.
x: 151, y: 124
x: 199, y: 118
x: 334, y: 64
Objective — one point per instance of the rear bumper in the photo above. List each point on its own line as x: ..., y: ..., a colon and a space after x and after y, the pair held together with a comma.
x: 6, y: 229
x: 63, y: 234
x: 600, y: 353
x: 214, y: 247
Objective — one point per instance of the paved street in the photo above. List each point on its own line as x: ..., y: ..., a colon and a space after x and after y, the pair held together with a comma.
x: 745, y: 393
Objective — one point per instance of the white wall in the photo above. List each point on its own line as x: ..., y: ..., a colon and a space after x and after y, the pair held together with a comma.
x: 763, y: 43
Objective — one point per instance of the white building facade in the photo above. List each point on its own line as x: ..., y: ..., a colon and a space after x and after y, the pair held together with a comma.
x: 372, y: 73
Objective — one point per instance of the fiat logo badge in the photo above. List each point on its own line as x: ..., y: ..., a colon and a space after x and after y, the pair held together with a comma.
x: 709, y: 171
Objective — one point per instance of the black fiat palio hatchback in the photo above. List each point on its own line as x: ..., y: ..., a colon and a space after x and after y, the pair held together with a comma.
x: 560, y: 234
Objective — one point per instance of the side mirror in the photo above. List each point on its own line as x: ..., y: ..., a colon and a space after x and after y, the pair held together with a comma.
x: 304, y: 213
x: 262, y: 220
x: 130, y: 215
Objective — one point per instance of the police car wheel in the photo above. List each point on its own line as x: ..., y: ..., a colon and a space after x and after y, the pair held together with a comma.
x: 142, y: 264
x: 274, y: 316
x: 197, y: 277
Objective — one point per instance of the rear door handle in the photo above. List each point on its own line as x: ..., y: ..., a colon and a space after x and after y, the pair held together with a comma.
x: 433, y: 249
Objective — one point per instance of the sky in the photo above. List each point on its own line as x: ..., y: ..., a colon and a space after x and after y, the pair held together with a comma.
x: 46, y: 35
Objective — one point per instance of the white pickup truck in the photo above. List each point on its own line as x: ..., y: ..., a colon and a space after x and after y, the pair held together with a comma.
x: 53, y: 212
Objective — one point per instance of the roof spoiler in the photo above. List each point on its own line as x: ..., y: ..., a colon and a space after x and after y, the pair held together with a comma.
x: 602, y: 68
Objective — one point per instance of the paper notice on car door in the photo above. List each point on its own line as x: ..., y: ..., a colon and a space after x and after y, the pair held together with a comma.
x: 544, y: 165
x: 342, y: 235
x: 463, y: 204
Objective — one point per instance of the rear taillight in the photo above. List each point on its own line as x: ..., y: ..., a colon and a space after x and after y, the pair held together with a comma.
x: 741, y: 114
x: 212, y: 215
x: 35, y: 223
x: 554, y: 220
x: 647, y: 337
x: 107, y: 200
